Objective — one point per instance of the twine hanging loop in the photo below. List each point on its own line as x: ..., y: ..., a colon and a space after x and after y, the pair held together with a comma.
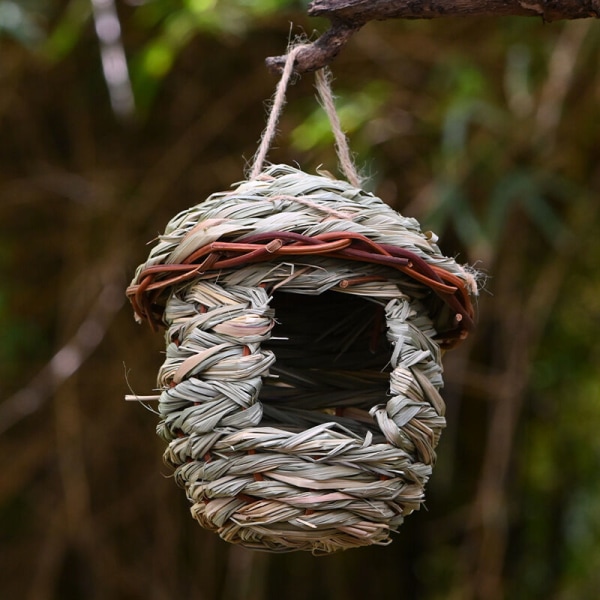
x: 323, y: 84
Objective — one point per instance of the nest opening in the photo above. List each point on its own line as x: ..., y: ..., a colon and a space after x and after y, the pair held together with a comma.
x: 332, y: 362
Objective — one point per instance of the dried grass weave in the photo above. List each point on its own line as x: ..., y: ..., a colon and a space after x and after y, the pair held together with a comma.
x: 305, y: 322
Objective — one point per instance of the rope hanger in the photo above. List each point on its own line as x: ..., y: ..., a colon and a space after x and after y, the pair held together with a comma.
x: 323, y: 84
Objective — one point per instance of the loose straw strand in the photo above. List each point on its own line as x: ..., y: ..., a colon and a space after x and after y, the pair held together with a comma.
x: 278, y: 104
x: 323, y: 78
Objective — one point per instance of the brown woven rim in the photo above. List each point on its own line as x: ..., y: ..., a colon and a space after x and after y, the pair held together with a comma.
x: 271, y: 246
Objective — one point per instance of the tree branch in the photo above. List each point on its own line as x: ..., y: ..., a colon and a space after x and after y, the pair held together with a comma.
x: 370, y: 10
x: 348, y: 16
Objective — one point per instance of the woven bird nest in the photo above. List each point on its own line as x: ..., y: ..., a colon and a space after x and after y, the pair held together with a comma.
x: 305, y: 322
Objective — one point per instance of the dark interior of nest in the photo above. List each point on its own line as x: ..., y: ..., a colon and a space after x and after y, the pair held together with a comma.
x: 332, y: 362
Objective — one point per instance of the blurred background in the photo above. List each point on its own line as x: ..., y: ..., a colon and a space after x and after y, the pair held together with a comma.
x: 117, y: 114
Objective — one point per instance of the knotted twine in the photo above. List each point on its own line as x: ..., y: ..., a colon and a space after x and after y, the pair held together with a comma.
x: 323, y: 85
x: 305, y: 321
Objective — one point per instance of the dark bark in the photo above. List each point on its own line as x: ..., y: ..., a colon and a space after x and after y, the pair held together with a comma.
x: 348, y: 16
x: 370, y: 10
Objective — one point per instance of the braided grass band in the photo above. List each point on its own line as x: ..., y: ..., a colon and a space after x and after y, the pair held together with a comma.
x: 300, y: 391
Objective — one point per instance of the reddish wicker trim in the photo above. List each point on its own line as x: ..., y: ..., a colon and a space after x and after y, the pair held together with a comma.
x: 278, y: 244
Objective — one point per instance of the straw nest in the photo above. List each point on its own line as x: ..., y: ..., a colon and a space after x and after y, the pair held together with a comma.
x: 305, y: 322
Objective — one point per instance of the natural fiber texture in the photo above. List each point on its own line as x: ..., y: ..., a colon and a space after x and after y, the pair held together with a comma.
x: 300, y: 391
x: 278, y: 103
x: 323, y: 85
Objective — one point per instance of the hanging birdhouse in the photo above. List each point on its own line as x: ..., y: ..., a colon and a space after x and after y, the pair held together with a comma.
x: 305, y: 322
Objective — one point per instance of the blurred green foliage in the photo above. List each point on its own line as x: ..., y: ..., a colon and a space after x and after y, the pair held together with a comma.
x: 19, y: 22
x: 488, y: 131
x: 355, y: 109
x: 64, y: 35
x: 172, y: 24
